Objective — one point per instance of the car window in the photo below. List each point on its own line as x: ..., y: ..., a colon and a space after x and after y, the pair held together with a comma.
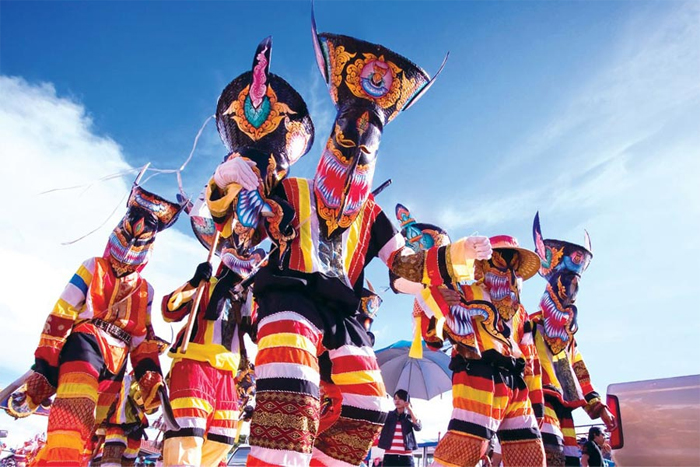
x: 239, y: 456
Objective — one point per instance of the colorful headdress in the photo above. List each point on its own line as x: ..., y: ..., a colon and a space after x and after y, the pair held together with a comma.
x: 130, y: 244
x: 369, y: 85
x: 362, y: 74
x: 166, y: 212
x: 557, y: 255
x: 262, y: 117
x: 420, y: 236
x: 562, y: 265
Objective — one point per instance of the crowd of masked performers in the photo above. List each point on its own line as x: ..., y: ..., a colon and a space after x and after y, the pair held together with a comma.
x: 320, y: 399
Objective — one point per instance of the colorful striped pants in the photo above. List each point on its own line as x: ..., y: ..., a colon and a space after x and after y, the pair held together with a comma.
x: 293, y: 331
x: 120, y: 448
x: 559, y: 434
x: 487, y: 400
x: 86, y: 391
x: 205, y: 405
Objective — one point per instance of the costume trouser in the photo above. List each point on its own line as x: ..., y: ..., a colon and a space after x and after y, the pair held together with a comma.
x: 487, y: 400
x: 559, y: 434
x: 204, y: 402
x: 392, y: 460
x: 120, y: 448
x: 86, y: 390
x: 293, y: 331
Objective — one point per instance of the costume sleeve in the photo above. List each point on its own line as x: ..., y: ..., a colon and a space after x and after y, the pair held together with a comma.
x: 145, y: 348
x: 60, y: 322
x: 145, y: 361
x: 533, y: 369
x: 178, y: 304
x: 222, y: 205
x: 594, y: 404
x: 436, y: 266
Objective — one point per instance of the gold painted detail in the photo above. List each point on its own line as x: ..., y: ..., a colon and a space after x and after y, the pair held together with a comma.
x: 278, y: 111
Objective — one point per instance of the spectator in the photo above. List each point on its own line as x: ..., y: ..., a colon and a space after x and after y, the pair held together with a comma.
x: 591, y: 453
x: 397, y: 438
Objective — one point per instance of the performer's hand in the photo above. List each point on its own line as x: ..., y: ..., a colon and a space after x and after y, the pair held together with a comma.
x: 608, y: 419
x: 480, y: 246
x: 202, y: 273
x: 236, y: 170
x: 149, y: 384
x: 452, y: 297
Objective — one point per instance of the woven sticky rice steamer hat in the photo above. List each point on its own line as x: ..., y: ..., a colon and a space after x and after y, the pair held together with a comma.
x: 529, y: 261
x: 558, y: 255
x: 262, y: 117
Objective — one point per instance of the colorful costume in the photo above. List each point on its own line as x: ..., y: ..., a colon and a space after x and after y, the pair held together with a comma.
x: 260, y: 118
x: 124, y: 427
x: 565, y: 379
x: 103, y: 316
x: 494, y: 362
x: 309, y: 293
x: 202, y: 388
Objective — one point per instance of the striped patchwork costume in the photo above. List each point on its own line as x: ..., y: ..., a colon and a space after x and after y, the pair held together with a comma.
x: 102, y: 317
x: 565, y: 379
x: 202, y: 381
x: 325, y: 232
x: 496, y: 374
x: 124, y: 427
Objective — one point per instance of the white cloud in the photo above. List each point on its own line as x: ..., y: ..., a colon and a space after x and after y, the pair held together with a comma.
x: 49, y: 142
x: 623, y: 118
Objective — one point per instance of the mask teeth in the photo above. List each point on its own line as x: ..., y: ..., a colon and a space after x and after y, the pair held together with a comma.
x: 330, y: 200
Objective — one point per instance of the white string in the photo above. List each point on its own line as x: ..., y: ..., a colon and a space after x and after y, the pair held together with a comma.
x: 99, y: 226
x: 146, y: 168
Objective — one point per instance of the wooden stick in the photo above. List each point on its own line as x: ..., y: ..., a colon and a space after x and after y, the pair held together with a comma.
x: 197, y: 299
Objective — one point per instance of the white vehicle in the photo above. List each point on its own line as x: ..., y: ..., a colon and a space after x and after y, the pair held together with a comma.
x: 658, y: 422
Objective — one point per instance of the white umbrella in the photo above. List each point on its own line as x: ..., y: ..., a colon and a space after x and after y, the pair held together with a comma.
x: 422, y: 378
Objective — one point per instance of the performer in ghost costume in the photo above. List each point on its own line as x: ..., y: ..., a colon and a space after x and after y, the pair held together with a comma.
x: 495, y: 369
x: 102, y: 317
x: 309, y: 293
x: 565, y: 379
x: 263, y: 120
x: 126, y: 422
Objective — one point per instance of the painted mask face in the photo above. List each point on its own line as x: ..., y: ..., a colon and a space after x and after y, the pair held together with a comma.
x: 344, y: 174
x: 130, y: 244
x: 502, y: 282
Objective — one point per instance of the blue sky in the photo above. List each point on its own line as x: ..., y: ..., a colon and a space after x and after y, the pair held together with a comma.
x: 586, y: 111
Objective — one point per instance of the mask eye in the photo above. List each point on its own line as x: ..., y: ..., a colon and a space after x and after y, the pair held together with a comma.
x: 138, y: 227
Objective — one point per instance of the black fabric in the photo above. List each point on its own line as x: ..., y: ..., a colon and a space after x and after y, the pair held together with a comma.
x: 202, y: 273
x: 509, y: 369
x: 471, y: 428
x: 338, y: 328
x: 82, y: 347
x: 407, y: 426
x: 519, y: 434
x: 184, y: 432
x: 298, y: 386
x: 595, y: 456
x: 356, y: 413
x: 553, y: 442
x: 221, y: 439
x: 49, y: 372
x: 393, y: 460
x: 221, y: 296
x: 145, y: 366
